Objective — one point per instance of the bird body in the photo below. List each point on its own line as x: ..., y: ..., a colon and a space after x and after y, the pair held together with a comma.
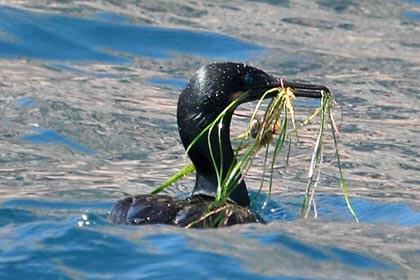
x: 211, y: 91
x: 192, y: 211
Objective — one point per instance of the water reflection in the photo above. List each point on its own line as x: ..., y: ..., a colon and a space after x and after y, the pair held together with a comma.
x: 110, y: 39
x: 333, y: 208
x: 172, y: 82
x: 412, y: 15
x: 53, y: 209
x: 48, y: 136
x: 320, y: 253
x: 75, y: 233
x: 26, y: 102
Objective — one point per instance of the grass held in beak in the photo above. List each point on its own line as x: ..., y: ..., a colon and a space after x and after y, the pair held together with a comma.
x: 273, y: 132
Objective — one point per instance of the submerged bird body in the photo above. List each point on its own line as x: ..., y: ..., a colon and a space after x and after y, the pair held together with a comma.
x: 192, y: 211
x: 209, y: 92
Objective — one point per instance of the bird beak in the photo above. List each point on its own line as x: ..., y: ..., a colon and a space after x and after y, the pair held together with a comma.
x: 300, y: 89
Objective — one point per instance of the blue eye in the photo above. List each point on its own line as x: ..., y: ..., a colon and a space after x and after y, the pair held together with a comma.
x: 248, y: 79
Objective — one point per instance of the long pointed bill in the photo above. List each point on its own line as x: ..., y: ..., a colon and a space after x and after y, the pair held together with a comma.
x: 299, y: 89
x: 306, y: 90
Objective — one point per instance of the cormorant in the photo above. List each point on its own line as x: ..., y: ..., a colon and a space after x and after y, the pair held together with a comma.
x: 211, y: 89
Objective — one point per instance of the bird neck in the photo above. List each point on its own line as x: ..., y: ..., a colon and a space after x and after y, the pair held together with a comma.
x: 213, y: 158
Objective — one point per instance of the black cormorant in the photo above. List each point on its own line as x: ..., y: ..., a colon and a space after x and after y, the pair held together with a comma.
x: 211, y: 89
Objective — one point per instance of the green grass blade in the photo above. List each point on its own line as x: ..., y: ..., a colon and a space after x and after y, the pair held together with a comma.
x: 343, y: 184
x: 183, y: 172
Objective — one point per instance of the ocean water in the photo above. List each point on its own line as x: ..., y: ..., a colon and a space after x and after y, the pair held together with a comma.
x: 87, y: 116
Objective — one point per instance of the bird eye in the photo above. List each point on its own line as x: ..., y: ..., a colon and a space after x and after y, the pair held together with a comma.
x: 248, y: 79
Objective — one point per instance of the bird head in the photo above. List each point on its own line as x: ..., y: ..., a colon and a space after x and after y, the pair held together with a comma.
x: 209, y: 92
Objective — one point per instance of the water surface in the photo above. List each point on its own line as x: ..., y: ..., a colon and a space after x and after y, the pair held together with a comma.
x: 87, y: 115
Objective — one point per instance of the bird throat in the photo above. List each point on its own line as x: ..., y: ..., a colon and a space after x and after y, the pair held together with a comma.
x: 213, y: 158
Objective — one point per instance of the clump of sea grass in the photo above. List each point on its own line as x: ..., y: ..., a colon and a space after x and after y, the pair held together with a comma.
x: 273, y: 129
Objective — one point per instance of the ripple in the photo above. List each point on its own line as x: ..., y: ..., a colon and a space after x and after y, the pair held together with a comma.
x: 55, y: 37
x: 48, y: 136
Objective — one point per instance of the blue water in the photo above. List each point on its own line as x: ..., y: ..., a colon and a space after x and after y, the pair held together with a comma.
x: 26, y: 102
x: 47, y: 136
x: 74, y: 142
x: 104, y: 39
x: 412, y: 15
x: 63, y: 240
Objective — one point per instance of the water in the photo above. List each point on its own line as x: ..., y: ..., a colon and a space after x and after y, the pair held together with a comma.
x: 87, y: 115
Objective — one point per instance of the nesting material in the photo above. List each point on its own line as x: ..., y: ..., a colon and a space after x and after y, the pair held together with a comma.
x: 273, y: 133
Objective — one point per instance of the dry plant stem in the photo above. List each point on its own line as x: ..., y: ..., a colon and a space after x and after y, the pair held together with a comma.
x: 207, y: 215
x: 312, y: 197
x: 285, y: 106
x: 244, y: 163
x: 263, y: 175
x: 316, y: 161
x: 277, y: 151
